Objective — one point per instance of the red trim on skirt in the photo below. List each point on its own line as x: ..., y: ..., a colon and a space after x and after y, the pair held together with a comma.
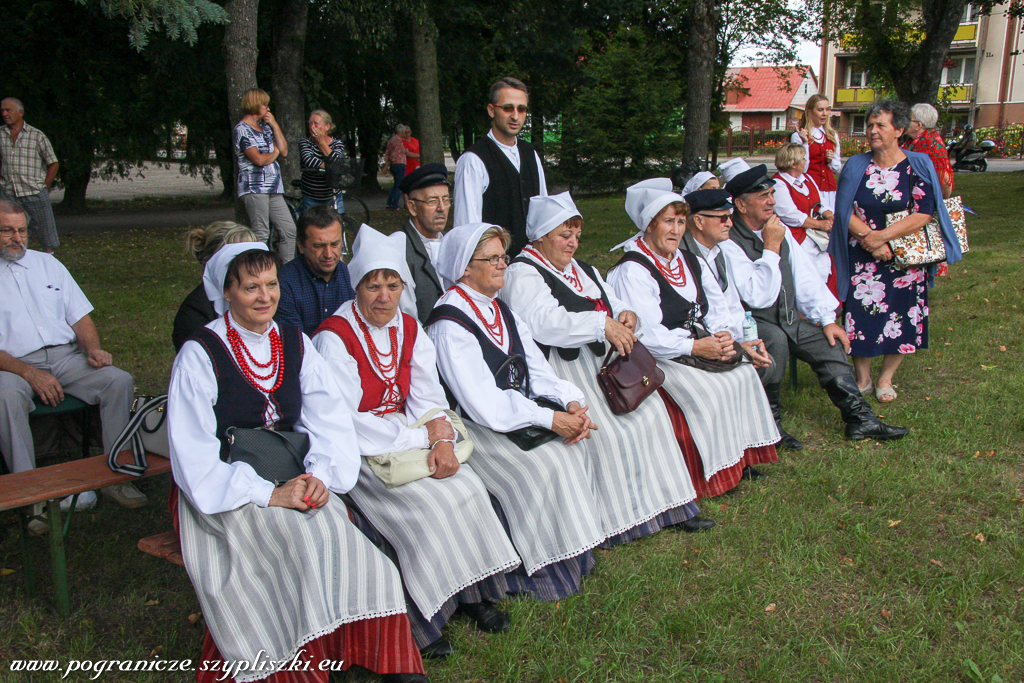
x: 723, y: 480
x: 381, y: 644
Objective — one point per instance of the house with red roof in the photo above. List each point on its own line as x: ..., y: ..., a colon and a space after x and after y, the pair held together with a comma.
x: 768, y: 97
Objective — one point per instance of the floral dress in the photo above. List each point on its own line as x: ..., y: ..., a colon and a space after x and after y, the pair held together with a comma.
x: 886, y: 309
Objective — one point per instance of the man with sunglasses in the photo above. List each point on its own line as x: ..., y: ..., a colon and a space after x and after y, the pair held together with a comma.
x: 428, y: 200
x: 794, y: 309
x: 495, y: 178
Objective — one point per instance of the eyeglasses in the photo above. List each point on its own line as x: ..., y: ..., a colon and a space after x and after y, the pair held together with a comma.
x: 9, y: 232
x: 721, y: 217
x: 509, y: 108
x: 434, y: 201
x: 493, y: 260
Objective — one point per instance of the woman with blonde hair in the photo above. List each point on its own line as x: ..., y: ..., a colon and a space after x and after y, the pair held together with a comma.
x: 314, y: 153
x: 258, y: 142
x: 821, y: 142
x: 203, y: 242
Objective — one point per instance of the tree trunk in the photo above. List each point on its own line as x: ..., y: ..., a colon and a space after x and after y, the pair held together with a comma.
x: 289, y: 48
x: 240, y: 54
x: 76, y: 182
x: 428, y: 100
x: 700, y: 72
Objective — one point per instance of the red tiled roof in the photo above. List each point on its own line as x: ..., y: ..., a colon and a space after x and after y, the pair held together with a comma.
x: 763, y: 88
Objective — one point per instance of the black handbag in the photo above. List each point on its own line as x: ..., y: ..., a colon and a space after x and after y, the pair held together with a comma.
x: 276, y: 456
x: 526, y: 438
x: 707, y: 365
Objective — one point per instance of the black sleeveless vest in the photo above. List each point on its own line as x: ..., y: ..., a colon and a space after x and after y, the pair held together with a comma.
x: 506, y: 200
x: 676, y: 311
x: 572, y: 301
x: 239, y: 404
x: 515, y: 376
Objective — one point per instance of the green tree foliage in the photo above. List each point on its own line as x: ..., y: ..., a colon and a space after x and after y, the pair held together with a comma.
x: 622, y: 124
x: 180, y: 19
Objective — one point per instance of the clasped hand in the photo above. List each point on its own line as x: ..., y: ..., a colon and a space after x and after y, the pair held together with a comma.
x: 574, y: 424
x: 718, y: 346
x: 441, y: 461
x: 301, y: 493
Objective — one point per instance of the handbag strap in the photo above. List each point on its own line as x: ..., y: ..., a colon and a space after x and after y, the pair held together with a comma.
x: 130, y: 435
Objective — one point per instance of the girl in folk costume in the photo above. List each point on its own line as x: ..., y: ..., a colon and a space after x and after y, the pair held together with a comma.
x: 489, y: 361
x: 572, y: 314
x: 440, y: 530
x: 280, y: 572
x: 821, y: 141
x: 798, y: 204
x: 723, y: 422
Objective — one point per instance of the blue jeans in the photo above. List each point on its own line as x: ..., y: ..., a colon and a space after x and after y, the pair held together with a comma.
x: 395, y: 196
x: 339, y: 204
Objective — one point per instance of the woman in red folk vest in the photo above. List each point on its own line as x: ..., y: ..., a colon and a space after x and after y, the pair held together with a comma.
x: 821, y: 142
x: 798, y: 203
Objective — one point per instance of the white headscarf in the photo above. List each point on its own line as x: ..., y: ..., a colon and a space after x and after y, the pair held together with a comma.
x: 457, y: 247
x: 373, y: 250
x: 217, y: 269
x: 732, y: 168
x: 547, y: 213
x: 694, y: 183
x: 645, y: 199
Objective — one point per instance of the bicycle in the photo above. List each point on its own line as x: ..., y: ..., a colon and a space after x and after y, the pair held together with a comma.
x: 350, y: 220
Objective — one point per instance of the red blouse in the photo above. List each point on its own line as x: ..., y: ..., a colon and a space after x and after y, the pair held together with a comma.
x: 930, y: 142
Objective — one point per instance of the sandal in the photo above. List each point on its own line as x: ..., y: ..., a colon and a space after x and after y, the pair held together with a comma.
x: 885, y: 394
x: 866, y: 391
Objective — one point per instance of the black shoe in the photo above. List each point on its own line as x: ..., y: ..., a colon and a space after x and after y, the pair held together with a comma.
x: 404, y: 678
x: 861, y: 421
x: 439, y: 649
x: 750, y: 473
x: 774, y: 394
x: 695, y: 524
x: 487, y: 617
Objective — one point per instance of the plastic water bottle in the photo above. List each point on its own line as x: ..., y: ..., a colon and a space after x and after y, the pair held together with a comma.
x: 749, y: 328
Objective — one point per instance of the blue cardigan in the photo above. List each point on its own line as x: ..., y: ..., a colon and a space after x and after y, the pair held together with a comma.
x: 849, y: 181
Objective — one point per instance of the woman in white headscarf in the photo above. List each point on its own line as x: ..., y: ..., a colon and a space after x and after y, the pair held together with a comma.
x: 495, y: 371
x: 279, y: 570
x: 441, y: 530
x: 643, y: 483
x: 702, y: 180
x: 723, y: 422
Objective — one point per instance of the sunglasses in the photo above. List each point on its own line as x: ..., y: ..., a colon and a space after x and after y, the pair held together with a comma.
x: 722, y: 217
x: 509, y: 108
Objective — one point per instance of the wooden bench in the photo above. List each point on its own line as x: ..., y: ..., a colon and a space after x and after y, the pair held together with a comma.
x: 50, y: 485
x: 166, y: 546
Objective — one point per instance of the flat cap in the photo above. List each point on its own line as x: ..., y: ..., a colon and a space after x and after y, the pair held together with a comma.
x: 754, y: 180
x: 424, y: 176
x: 709, y: 200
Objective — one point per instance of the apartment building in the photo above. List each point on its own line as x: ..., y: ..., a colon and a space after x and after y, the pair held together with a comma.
x: 982, y: 79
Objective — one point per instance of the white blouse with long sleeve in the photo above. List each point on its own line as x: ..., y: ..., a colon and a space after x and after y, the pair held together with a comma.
x: 527, y: 294
x: 818, y: 135
x: 785, y: 207
x: 213, y: 485
x: 725, y: 310
x: 388, y: 433
x: 463, y: 367
x: 759, y: 282
x: 634, y: 285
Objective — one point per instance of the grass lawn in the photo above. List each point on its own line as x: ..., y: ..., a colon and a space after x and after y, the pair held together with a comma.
x: 849, y: 562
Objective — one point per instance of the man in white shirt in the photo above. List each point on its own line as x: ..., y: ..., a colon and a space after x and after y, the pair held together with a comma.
x: 49, y: 346
x: 794, y: 309
x: 428, y: 200
x: 495, y: 178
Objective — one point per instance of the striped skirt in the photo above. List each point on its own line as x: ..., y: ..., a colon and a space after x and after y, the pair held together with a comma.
x: 444, y: 532
x: 639, y: 469
x: 273, y: 580
x: 547, y: 495
x: 726, y: 412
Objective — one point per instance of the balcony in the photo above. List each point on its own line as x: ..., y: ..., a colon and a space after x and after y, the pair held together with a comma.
x: 956, y: 93
x: 847, y: 97
x: 966, y: 36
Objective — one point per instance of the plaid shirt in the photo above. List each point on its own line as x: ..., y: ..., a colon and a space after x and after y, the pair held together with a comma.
x: 395, y: 153
x: 307, y: 299
x: 23, y: 162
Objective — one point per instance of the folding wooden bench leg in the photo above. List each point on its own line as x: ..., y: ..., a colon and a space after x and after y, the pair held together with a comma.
x: 26, y: 554
x: 57, y: 559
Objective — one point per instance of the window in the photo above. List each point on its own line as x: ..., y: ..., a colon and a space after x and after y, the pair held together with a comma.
x: 958, y: 70
x: 778, y: 123
x: 857, y: 124
x: 971, y: 14
x: 856, y: 77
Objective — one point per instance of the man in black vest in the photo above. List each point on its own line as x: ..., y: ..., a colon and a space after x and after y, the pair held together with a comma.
x: 428, y: 200
x: 800, y: 317
x: 495, y: 178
